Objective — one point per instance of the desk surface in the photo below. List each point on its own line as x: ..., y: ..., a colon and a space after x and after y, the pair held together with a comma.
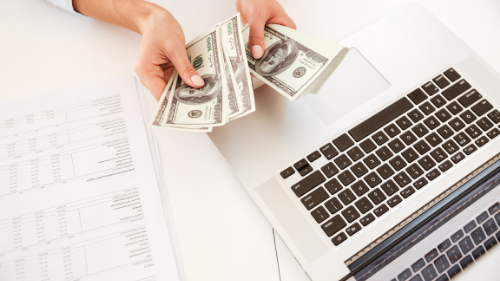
x: 222, y: 234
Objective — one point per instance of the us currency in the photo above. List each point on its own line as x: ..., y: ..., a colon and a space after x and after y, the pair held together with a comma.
x: 294, y: 64
x: 234, y: 52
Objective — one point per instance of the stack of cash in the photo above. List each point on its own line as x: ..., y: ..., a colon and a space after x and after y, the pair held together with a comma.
x: 293, y: 64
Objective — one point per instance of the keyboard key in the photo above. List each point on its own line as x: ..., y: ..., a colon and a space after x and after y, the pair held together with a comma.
x: 320, y: 214
x: 380, y: 138
x: 445, y: 131
x: 402, y: 179
x: 301, y: 164
x: 479, y: 252
x: 422, y: 147
x: 433, y: 174
x: 456, y: 124
x: 329, y: 151
x: 347, y: 196
x: 384, y: 153
x: 333, y: 186
x: 410, y: 155
x: 430, y: 89
x: 427, y: 108
x: 403, y: 123
x: 305, y: 170
x: 454, y: 108
x: 416, y: 278
x: 443, y: 278
x: 426, y: 162
x: 330, y: 170
x: 493, y: 209
x: 415, y: 171
x: 438, y: 101
x: 359, y: 169
x: 490, y: 227
x: 380, y: 119
x: 407, y: 192
x: 438, y: 154
x: 342, y: 161
x: 380, y: 210
x: 360, y: 188
x: 377, y: 196
x: 418, y: 265
x: 355, y: 153
x: 469, y: 98
x: 313, y: 156
x: 441, y: 81
x: 421, y: 182
x: 287, y: 172
x: 493, y: 133
x: 466, y: 245
x: 333, y: 205
x: 490, y: 243
x: 429, y: 273
x: 432, y: 122
x: 364, y: 205
x: 462, y: 139
x: 372, y: 179
x: 366, y: 220
x: 481, y: 141
x: 343, y: 142
x: 350, y: 214
x: 466, y: 261
x: 442, y: 263
x: 368, y: 145
x: 314, y: 198
x: 397, y: 163
x: 346, y: 178
x: 470, y: 226
x: 478, y: 236
x: 434, y: 139
x: 394, y: 201
x: 485, y: 124
x: 457, y: 157
x: 497, y: 218
x: 494, y: 116
x: 339, y: 239
x: 408, y: 137
x: 389, y: 187
x: 333, y: 225
x: 351, y: 230
x: 450, y: 147
x: 392, y: 130
x: 456, y: 89
x: 445, y: 166
x: 405, y: 275
x: 468, y: 116
x: 371, y: 161
x: 396, y: 145
x: 457, y: 236
x: 443, y: 115
x: 431, y: 255
x: 454, y: 254
x: 482, y: 107
x: 385, y: 171
x: 452, y: 75
x: 452, y: 272
x: 415, y: 115
x: 420, y: 130
x: 473, y: 131
x: 470, y: 149
x: 308, y: 183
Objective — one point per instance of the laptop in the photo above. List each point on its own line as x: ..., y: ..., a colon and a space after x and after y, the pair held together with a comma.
x: 367, y: 179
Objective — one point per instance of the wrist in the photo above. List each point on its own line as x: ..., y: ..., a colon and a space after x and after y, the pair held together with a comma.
x: 148, y: 15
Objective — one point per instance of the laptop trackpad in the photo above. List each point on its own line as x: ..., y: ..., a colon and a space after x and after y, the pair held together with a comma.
x: 353, y: 83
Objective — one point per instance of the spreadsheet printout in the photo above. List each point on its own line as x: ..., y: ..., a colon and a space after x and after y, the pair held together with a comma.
x: 79, y: 195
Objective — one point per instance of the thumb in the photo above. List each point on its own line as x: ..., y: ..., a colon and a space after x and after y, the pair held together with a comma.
x: 185, y: 69
x: 256, y: 38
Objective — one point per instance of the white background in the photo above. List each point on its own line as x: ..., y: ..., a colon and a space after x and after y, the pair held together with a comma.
x: 222, y: 235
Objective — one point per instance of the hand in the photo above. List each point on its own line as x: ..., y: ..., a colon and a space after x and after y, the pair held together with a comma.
x: 258, y: 13
x: 162, y: 49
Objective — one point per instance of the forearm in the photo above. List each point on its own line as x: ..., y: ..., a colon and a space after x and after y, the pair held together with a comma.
x: 130, y: 14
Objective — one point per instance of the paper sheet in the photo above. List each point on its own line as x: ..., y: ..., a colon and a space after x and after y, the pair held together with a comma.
x: 79, y: 191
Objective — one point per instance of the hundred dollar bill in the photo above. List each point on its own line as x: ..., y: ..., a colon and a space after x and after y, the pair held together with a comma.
x: 193, y: 108
x: 234, y: 109
x: 293, y: 64
x: 234, y: 50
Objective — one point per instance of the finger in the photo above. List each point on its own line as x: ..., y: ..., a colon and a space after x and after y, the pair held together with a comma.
x: 256, y: 38
x: 185, y: 69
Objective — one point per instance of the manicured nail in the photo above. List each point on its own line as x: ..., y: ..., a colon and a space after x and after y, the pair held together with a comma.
x: 257, y: 52
x: 196, y: 79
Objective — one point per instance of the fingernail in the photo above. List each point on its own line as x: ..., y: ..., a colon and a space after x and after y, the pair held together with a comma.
x: 196, y: 79
x: 257, y: 51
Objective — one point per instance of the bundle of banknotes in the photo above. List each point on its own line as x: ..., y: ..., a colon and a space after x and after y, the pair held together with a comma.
x: 293, y: 64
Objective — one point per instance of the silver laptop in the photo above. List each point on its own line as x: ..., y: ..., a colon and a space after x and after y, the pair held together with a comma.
x: 396, y: 137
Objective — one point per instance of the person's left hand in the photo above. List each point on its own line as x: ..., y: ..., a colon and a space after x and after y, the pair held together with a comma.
x: 258, y: 13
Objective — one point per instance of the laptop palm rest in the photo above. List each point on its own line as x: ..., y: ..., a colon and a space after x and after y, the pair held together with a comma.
x: 353, y: 83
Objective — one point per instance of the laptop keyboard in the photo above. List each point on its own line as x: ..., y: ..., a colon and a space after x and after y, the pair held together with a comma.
x: 458, y: 251
x: 393, y: 154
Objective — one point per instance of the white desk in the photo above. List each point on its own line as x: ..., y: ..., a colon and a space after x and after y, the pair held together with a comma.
x: 222, y: 234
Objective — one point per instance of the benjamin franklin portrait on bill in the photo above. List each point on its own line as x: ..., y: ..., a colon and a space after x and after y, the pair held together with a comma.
x: 277, y: 58
x: 208, y: 92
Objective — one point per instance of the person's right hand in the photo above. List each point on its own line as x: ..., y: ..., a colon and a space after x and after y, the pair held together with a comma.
x: 162, y: 49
